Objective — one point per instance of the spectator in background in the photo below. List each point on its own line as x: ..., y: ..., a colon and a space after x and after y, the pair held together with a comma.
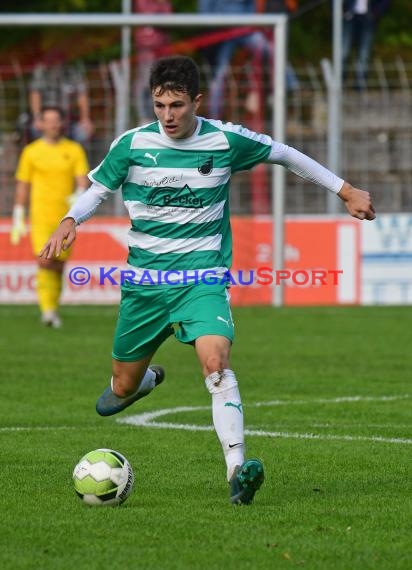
x: 56, y: 84
x: 360, y: 18
x: 282, y: 7
x: 256, y: 42
x: 147, y: 41
x: 51, y: 173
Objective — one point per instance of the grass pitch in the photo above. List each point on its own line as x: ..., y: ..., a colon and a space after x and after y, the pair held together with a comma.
x: 327, y: 398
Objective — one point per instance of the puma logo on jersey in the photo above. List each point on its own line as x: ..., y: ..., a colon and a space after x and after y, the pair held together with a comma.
x: 237, y: 406
x: 224, y: 320
x: 154, y: 158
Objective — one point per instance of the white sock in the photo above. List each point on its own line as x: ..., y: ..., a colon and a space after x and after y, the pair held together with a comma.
x: 227, y: 416
x: 148, y: 382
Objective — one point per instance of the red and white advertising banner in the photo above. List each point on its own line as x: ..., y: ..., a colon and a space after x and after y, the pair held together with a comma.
x: 322, y: 262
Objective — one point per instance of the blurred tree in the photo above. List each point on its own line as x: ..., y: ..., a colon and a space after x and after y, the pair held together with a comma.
x: 311, y: 27
x: 309, y: 35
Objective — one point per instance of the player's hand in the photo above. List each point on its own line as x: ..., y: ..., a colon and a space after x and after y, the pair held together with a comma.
x: 18, y: 228
x: 357, y: 202
x: 60, y: 240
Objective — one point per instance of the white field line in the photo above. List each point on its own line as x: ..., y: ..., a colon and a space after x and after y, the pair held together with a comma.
x: 147, y: 419
x: 341, y: 400
x: 35, y: 428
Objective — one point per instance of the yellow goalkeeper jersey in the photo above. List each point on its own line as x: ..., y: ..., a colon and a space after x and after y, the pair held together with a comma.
x: 51, y: 170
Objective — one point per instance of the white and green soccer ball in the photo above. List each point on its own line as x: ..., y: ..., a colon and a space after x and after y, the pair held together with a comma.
x: 103, y: 477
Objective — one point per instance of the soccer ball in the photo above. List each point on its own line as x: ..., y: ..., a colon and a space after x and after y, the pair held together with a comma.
x: 103, y: 477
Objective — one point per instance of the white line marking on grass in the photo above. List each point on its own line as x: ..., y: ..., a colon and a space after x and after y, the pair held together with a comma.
x: 35, y: 428
x: 147, y: 419
x: 287, y: 435
x: 341, y: 400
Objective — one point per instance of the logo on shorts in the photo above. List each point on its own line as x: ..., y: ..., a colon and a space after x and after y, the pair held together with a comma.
x: 205, y: 164
x: 227, y: 321
x: 169, y: 196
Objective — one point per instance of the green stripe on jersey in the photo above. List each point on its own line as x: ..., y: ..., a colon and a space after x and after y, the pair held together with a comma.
x: 177, y: 231
x: 179, y: 158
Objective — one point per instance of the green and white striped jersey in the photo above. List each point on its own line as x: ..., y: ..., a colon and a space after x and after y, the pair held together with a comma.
x: 177, y: 192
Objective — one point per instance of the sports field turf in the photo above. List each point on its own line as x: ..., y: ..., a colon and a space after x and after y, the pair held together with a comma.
x: 327, y: 397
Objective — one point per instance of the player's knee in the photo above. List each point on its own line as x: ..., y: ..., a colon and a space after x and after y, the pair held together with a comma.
x: 214, y: 363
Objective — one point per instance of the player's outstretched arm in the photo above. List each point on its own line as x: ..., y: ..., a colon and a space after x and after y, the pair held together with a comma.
x: 60, y: 240
x: 358, y: 202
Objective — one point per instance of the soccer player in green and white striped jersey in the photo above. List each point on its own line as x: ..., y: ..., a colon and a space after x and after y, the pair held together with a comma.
x: 174, y: 175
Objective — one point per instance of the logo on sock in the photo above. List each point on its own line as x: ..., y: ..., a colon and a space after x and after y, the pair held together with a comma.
x: 231, y: 445
x: 237, y: 406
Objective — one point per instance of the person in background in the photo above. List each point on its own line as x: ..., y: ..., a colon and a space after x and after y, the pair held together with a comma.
x: 51, y: 174
x: 360, y: 19
x: 256, y: 43
x: 147, y: 40
x: 59, y: 85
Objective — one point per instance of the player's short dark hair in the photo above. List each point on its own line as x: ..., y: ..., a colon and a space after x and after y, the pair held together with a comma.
x: 175, y: 73
x: 55, y: 108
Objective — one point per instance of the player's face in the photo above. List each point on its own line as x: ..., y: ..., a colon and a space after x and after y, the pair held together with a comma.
x: 176, y: 112
x: 52, y: 125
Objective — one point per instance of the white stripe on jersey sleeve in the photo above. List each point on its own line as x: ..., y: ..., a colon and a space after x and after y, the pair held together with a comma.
x: 304, y: 166
x: 177, y: 177
x: 170, y: 245
x: 174, y: 214
x: 242, y: 131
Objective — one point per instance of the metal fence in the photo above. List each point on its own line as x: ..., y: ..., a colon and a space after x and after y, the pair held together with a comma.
x: 376, y: 145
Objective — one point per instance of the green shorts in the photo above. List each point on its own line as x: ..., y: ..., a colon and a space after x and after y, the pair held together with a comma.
x: 147, y: 313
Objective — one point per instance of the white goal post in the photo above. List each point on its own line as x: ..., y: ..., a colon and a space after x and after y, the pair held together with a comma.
x: 126, y: 20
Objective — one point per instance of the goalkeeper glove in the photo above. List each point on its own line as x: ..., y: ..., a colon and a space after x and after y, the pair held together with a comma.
x: 72, y: 199
x: 18, y: 228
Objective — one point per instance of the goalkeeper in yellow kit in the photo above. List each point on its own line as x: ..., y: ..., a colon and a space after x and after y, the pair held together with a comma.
x: 50, y: 174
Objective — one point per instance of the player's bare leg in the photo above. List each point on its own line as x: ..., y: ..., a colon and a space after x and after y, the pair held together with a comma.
x: 130, y: 382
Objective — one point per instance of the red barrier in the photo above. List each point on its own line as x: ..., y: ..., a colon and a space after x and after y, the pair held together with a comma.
x: 322, y: 262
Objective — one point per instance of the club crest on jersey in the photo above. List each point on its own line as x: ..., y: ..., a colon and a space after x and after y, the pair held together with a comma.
x: 168, y: 196
x: 205, y: 164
